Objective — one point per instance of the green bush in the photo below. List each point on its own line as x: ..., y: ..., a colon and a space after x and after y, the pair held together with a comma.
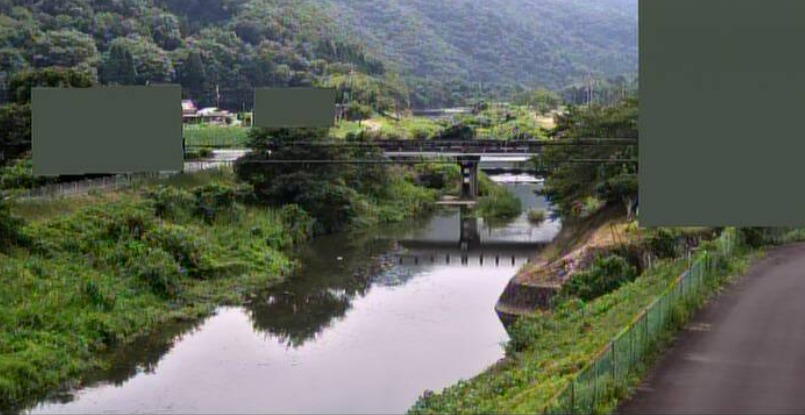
x: 159, y: 271
x: 99, y: 296
x: 215, y: 199
x: 665, y: 242
x: 537, y: 216
x: 10, y: 227
x: 19, y: 175
x: 524, y: 330
x: 190, y: 251
x: 605, y: 275
x: 298, y: 223
x: 754, y: 237
x: 497, y: 202
x: 438, y: 176
x: 172, y: 203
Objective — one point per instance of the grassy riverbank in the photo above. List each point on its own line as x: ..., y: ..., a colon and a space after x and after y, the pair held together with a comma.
x: 547, y: 350
x: 95, y: 272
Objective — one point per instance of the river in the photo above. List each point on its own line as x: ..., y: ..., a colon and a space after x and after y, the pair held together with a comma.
x: 368, y: 323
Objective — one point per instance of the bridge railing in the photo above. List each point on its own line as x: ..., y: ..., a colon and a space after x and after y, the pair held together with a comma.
x: 626, y: 355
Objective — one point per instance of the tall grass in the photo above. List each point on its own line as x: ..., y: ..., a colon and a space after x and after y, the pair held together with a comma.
x: 101, y: 275
x: 546, y: 350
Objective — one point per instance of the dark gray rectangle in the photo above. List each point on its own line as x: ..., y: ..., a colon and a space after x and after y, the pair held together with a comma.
x: 125, y: 129
x: 721, y: 108
x: 294, y: 107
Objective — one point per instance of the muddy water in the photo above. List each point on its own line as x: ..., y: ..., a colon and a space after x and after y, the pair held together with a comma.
x: 364, y: 327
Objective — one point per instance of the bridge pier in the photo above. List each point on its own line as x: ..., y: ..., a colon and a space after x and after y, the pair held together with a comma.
x: 469, y: 237
x: 469, y: 176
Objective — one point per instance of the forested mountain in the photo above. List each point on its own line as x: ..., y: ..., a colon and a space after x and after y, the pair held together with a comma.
x: 551, y: 43
x: 219, y: 50
x: 387, y: 52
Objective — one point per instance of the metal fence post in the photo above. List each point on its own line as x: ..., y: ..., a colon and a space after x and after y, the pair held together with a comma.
x: 631, y: 348
x: 572, y: 396
x: 596, y: 366
x: 614, y: 362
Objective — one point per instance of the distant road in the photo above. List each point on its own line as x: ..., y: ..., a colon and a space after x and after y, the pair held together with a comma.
x: 744, y: 353
x: 219, y: 158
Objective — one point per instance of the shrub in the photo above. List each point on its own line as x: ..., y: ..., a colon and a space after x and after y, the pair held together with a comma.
x: 159, y: 271
x: 333, y: 206
x: 524, y: 331
x: 665, y: 243
x: 298, y: 223
x: 437, y: 176
x: 188, y: 250
x: 498, y: 203
x: 215, y: 199
x: 753, y: 237
x: 172, y: 203
x: 99, y: 296
x: 605, y: 275
x: 536, y: 216
x: 10, y: 227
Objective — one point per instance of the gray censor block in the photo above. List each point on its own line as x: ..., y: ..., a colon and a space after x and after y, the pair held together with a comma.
x: 126, y: 129
x: 294, y: 107
x: 721, y: 111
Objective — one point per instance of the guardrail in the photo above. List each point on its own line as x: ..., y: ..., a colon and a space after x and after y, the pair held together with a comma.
x: 111, y: 183
x: 611, y: 370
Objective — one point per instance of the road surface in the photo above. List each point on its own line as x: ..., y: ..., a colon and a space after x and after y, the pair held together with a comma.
x: 743, y: 354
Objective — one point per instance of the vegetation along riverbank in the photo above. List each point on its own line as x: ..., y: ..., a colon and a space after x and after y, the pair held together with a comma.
x: 593, y: 281
x: 85, y: 274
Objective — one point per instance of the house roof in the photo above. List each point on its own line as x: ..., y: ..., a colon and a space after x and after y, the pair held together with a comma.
x: 188, y: 105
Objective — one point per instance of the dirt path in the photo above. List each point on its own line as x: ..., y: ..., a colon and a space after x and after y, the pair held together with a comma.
x: 744, y: 353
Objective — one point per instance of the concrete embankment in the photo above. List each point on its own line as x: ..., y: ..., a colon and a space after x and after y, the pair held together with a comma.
x: 533, y: 287
x: 575, y: 248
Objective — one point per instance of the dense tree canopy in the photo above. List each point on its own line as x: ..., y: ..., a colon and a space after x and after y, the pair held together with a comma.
x: 329, y: 192
x: 15, y: 118
x: 407, y: 53
x: 571, y: 181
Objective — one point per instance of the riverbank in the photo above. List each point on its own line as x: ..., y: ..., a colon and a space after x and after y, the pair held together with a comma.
x: 97, y: 272
x: 547, y: 349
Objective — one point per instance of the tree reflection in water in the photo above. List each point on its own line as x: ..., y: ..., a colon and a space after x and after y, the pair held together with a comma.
x: 335, y: 270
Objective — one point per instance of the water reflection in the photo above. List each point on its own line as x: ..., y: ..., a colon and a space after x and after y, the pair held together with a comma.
x: 365, y: 326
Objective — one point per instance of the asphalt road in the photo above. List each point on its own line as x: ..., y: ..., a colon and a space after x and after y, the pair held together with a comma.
x: 742, y: 354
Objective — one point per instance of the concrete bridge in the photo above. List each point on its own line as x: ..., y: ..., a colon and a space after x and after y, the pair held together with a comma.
x: 469, y: 249
x: 467, y: 153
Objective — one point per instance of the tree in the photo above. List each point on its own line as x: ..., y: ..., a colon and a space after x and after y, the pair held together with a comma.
x: 119, y: 67
x: 329, y: 192
x: 15, y: 131
x: 15, y: 118
x: 193, y: 76
x: 65, y: 48
x: 151, y: 62
x: 165, y: 31
x: 359, y: 112
x: 20, y: 84
x: 622, y: 188
x: 570, y: 182
x: 544, y: 100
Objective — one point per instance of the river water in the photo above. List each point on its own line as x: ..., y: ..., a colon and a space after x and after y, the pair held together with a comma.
x: 368, y: 323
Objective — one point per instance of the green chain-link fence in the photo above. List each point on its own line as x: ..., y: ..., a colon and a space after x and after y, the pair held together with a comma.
x: 613, y: 369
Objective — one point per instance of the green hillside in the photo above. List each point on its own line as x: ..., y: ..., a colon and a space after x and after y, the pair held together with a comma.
x: 392, y: 52
x: 552, y: 43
